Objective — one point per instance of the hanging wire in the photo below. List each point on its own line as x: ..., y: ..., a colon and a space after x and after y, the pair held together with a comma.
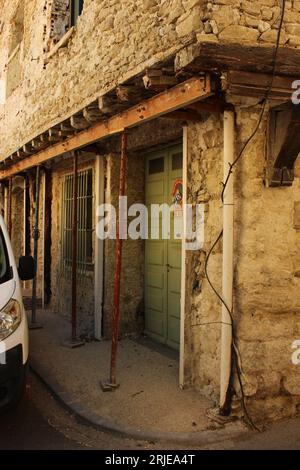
x: 236, y: 355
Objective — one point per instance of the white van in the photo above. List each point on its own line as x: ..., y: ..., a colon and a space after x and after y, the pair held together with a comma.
x: 13, y: 322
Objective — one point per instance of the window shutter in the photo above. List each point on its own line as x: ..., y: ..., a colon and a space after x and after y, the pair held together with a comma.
x: 59, y: 21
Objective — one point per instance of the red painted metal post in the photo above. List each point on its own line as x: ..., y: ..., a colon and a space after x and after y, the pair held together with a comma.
x: 9, y: 208
x: 74, y: 248
x: 118, y: 266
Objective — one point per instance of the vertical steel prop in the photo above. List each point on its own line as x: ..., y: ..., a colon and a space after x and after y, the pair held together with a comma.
x: 74, y: 248
x: 36, y: 236
x: 112, y: 384
x: 9, y: 208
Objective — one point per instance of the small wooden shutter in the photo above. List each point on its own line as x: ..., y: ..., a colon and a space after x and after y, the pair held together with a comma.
x: 59, y: 19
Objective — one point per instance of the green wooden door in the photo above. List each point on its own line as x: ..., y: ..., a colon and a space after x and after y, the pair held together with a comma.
x: 163, y: 256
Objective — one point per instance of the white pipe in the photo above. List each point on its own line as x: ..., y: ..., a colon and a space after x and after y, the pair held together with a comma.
x: 183, y: 262
x: 228, y: 217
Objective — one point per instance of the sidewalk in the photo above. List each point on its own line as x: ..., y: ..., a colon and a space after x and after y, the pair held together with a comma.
x: 148, y: 405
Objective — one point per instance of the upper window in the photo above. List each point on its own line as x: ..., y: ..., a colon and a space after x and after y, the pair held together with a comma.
x: 13, y: 76
x: 76, y: 10
x: 63, y: 15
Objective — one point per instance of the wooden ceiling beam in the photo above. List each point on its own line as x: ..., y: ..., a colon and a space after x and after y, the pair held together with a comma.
x: 158, y: 81
x: 129, y: 93
x: 78, y: 122
x: 257, y: 84
x: 109, y: 105
x: 171, y: 100
x: 92, y: 114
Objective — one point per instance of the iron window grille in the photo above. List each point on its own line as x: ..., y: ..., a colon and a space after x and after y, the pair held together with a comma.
x: 85, y: 230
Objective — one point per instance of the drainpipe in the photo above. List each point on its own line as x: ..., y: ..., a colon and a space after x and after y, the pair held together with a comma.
x: 228, y: 218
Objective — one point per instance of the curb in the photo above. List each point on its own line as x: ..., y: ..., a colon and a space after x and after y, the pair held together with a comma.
x: 84, y: 415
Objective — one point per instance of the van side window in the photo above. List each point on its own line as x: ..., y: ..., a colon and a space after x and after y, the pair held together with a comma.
x: 5, y: 269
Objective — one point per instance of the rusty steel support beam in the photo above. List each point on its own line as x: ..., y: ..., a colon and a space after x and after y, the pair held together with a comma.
x: 112, y: 384
x: 182, y: 95
x: 9, y: 208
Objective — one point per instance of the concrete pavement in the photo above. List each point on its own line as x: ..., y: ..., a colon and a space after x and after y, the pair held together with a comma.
x: 41, y: 423
x: 148, y: 404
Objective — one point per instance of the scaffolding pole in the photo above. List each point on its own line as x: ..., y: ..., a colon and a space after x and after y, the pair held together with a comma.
x: 112, y: 383
x: 9, y: 208
x: 36, y: 235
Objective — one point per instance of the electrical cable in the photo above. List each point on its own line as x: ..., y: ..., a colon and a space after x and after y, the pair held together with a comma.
x: 235, y: 350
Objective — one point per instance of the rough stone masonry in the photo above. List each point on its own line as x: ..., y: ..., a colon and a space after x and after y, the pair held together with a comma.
x: 113, y: 41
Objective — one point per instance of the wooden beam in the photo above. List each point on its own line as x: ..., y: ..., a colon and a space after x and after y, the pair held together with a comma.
x: 232, y: 55
x: 92, y: 114
x: 66, y: 126
x: 257, y: 84
x: 49, y: 137
x: 27, y: 149
x: 79, y: 123
x: 178, y: 97
x: 128, y: 93
x: 108, y: 105
x: 158, y: 82
x: 65, y: 133
x: 21, y: 154
x: 37, y: 144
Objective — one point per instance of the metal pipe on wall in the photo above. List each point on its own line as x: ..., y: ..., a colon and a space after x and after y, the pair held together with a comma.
x: 228, y: 247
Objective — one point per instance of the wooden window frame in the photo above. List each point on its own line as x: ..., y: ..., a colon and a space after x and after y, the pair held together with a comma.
x: 76, y: 7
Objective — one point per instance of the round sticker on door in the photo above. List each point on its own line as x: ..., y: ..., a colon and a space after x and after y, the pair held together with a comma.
x: 177, y: 195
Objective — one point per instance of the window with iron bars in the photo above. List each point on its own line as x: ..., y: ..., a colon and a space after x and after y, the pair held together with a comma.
x: 85, y: 229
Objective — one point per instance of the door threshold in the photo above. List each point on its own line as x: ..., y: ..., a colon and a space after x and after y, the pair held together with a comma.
x: 161, y: 348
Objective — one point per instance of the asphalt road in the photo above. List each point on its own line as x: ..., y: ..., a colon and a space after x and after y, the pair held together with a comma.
x: 41, y: 423
x: 26, y: 428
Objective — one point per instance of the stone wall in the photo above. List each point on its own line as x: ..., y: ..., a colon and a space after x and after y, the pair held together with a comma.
x: 113, y: 41
x: 202, y: 331
x: 132, y: 280
x: 61, y: 280
x: 17, y: 211
x: 251, y: 21
x: 266, y: 282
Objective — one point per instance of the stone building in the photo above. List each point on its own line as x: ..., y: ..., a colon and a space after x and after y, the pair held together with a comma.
x: 185, y: 79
